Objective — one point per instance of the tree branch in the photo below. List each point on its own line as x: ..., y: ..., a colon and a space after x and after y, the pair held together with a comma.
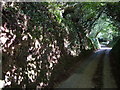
x: 97, y: 17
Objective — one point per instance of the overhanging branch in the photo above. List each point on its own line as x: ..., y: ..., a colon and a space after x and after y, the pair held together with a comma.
x: 97, y: 17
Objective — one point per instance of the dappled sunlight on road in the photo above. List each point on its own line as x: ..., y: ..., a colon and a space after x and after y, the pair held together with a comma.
x: 108, y: 48
x: 103, y: 48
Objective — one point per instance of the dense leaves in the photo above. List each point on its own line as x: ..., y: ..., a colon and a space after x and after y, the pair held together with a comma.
x: 114, y: 12
x: 37, y: 37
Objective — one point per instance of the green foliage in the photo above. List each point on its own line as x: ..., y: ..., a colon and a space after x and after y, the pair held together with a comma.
x: 37, y: 36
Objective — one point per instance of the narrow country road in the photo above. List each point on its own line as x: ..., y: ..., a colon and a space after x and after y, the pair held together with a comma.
x: 97, y: 65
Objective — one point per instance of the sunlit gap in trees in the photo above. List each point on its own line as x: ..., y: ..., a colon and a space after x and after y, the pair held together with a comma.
x: 104, y: 32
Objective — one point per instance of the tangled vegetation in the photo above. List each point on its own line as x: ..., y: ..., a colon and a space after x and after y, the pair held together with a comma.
x: 38, y: 36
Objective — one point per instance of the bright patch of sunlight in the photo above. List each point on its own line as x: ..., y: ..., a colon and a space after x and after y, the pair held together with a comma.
x: 106, y: 48
x: 2, y: 83
x: 103, y: 48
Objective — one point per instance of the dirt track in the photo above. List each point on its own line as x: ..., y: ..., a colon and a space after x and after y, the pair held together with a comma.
x: 83, y: 76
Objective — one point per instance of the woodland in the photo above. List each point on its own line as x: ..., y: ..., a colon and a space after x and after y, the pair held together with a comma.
x: 41, y: 41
